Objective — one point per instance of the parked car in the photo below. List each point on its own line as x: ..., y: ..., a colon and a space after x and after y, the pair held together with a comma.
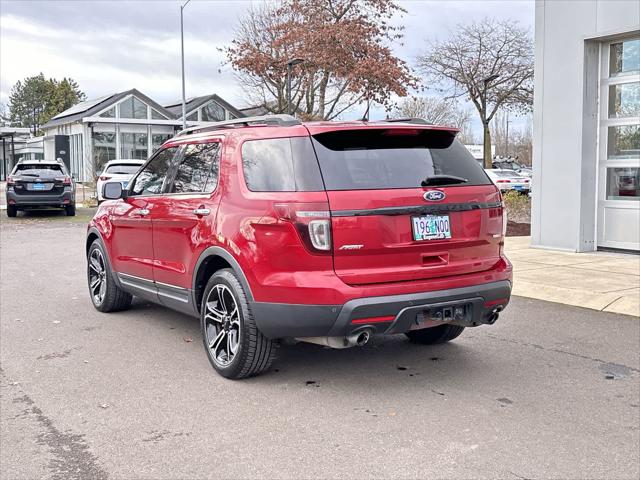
x: 509, y: 180
x: 35, y: 184
x: 117, y: 171
x: 268, y: 229
x: 508, y: 164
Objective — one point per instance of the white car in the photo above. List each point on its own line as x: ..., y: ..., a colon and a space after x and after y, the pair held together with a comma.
x: 509, y: 180
x: 118, y: 171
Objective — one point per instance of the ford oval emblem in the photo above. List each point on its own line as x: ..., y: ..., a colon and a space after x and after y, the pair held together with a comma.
x: 434, y: 196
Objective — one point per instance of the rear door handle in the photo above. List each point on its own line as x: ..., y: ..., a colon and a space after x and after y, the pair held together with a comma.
x: 201, y: 212
x: 143, y: 212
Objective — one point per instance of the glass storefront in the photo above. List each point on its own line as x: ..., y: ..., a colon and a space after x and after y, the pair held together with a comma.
x: 134, y: 145
x: 157, y: 139
x: 104, y: 149
x: 619, y: 163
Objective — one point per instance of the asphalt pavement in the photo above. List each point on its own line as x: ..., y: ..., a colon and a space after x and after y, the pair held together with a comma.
x: 549, y: 391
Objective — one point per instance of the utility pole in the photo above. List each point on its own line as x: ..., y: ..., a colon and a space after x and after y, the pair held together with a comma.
x: 506, y: 140
x: 184, y: 103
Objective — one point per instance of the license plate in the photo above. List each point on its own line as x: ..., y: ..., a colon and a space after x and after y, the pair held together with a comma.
x: 39, y: 186
x: 431, y: 227
x: 518, y: 187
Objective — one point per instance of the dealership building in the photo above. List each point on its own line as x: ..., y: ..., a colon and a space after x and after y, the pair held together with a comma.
x: 586, y: 158
x: 122, y: 125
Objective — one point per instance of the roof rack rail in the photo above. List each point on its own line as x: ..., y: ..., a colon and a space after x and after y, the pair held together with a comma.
x: 417, y: 121
x: 273, y: 120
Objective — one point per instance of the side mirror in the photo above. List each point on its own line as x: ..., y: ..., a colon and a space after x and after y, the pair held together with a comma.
x: 113, y: 191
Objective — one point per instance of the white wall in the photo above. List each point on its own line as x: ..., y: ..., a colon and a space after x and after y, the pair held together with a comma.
x: 565, y: 140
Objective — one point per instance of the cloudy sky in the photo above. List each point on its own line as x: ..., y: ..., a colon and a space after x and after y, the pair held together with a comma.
x: 115, y: 45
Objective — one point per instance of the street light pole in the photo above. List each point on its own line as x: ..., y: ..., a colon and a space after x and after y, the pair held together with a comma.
x: 486, y: 146
x: 184, y: 103
x: 506, y: 140
x: 290, y: 64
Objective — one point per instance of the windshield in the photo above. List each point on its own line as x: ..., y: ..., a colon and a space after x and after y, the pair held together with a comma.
x: 39, y: 170
x: 122, y: 169
x: 393, y: 158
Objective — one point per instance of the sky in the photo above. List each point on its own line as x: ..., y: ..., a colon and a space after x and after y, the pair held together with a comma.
x: 112, y: 46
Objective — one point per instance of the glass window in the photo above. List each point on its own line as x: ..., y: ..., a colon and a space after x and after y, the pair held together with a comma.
x: 281, y: 165
x: 623, y: 183
x: 623, y: 142
x: 39, y: 170
x: 104, y: 149
x: 133, y: 145
x: 157, y: 139
x: 198, y: 169
x: 624, y: 100
x: 624, y: 57
x: 393, y: 158
x: 151, y: 179
x: 193, y: 117
x: 111, y: 113
x: 133, y: 108
x: 157, y: 115
x: 122, y: 168
x: 212, y: 112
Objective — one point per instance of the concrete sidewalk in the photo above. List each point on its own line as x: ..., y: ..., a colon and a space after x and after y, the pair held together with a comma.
x: 602, y: 281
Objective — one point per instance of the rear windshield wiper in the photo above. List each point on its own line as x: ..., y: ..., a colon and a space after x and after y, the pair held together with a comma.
x: 442, y: 180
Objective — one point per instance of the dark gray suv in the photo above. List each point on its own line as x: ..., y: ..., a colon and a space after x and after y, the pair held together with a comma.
x: 38, y: 184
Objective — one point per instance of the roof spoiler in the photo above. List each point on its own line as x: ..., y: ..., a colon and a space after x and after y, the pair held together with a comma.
x: 271, y: 120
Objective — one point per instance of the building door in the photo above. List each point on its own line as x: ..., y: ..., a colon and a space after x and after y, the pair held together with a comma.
x: 619, y: 146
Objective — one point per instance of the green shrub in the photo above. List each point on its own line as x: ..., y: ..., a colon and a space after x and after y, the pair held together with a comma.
x: 518, y: 206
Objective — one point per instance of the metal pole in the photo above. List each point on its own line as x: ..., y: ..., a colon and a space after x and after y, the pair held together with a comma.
x: 506, y: 140
x: 484, y: 128
x: 184, y: 103
x: 289, y: 67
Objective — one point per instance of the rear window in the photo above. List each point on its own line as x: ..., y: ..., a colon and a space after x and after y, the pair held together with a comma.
x: 39, y: 170
x: 122, y: 169
x: 281, y: 165
x: 374, y: 159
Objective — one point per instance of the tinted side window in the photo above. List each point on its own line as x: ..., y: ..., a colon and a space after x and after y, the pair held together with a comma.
x: 151, y: 179
x: 281, y: 165
x: 198, y: 170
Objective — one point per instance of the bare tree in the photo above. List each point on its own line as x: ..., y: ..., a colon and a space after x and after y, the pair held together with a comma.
x: 438, y: 111
x: 490, y: 63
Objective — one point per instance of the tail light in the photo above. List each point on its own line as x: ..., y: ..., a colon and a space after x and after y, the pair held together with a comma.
x: 312, y: 222
x: 64, y: 180
x: 104, y: 178
x: 11, y: 181
x: 503, y: 181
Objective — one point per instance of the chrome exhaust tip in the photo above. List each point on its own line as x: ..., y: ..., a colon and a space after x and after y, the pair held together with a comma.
x: 359, y: 339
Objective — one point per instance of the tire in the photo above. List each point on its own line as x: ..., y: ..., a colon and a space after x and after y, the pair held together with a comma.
x: 106, y: 296
x: 434, y: 335
x: 221, y: 329
x: 70, y: 210
x: 12, y: 211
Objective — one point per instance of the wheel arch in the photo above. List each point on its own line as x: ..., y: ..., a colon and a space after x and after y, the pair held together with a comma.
x: 210, y: 261
x: 92, y: 235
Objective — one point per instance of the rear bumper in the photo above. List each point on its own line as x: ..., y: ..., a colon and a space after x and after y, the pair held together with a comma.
x: 40, y: 200
x: 383, y: 315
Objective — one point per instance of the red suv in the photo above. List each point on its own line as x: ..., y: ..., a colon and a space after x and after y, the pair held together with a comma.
x: 327, y: 232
